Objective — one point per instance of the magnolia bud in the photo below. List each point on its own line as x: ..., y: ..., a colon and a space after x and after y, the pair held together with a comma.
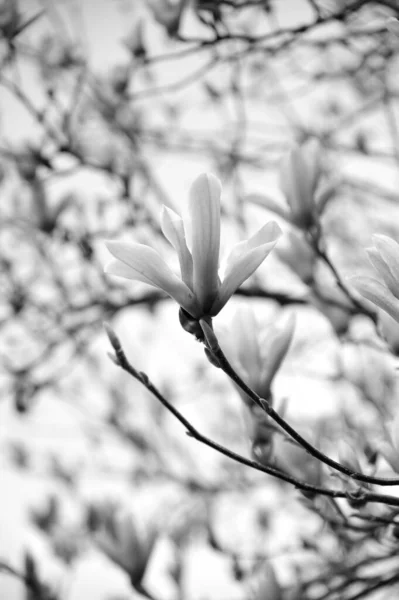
x: 299, y: 177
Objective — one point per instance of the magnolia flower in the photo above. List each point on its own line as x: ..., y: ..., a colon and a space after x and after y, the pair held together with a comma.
x: 300, y: 175
x: 125, y: 539
x: 257, y: 359
x: 384, y: 256
x: 199, y: 291
x: 258, y: 355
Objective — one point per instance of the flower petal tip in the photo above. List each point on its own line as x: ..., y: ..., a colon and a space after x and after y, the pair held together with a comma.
x: 276, y: 231
x: 379, y: 236
x: 382, y: 241
x: 208, y: 178
x: 206, y: 184
x: 111, y: 245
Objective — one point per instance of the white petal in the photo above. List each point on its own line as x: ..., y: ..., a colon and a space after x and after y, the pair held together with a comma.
x: 238, y: 272
x: 204, y: 208
x: 173, y: 229
x: 120, y: 269
x: 278, y: 342
x: 389, y: 251
x: 378, y: 293
x: 268, y: 233
x: 246, y: 330
x: 144, y: 264
x: 382, y: 268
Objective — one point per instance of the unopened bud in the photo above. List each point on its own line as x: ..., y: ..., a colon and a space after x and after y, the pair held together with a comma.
x: 299, y: 177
